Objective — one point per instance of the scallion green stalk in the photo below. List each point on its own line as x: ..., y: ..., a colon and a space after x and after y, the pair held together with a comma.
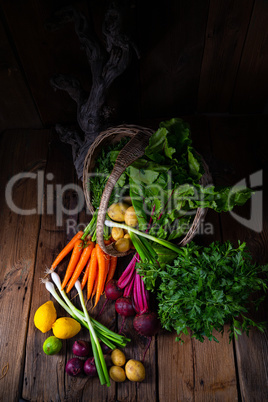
x: 97, y: 351
x: 163, y: 242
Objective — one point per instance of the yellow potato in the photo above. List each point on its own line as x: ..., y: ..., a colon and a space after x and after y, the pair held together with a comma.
x: 118, y: 357
x: 127, y: 236
x: 131, y: 217
x: 117, y: 233
x: 122, y: 245
x: 117, y: 211
x: 117, y: 374
x: 135, y: 370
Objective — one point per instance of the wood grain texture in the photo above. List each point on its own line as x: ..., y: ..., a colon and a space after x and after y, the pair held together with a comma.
x: 21, y: 151
x: 235, y: 135
x: 17, y: 108
x: 171, y: 41
x: 225, y: 35
x: 250, y: 92
x: 200, y: 371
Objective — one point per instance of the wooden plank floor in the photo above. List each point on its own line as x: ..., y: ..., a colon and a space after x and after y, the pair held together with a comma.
x: 235, y: 148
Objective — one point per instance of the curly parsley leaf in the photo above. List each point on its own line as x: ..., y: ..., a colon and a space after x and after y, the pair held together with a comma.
x: 205, y: 288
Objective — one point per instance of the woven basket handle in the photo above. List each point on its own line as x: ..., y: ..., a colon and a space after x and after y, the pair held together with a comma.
x: 133, y: 150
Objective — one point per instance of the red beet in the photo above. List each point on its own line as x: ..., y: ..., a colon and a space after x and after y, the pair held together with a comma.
x: 90, y: 367
x: 112, y: 291
x: 146, y: 324
x: 81, y: 348
x: 124, y: 307
x: 74, y: 366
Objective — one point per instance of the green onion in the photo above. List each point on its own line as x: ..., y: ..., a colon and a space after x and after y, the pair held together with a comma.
x: 163, y: 242
x: 97, y: 351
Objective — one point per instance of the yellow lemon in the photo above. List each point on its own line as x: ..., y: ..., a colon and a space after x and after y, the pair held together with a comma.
x: 45, y: 316
x: 65, y: 328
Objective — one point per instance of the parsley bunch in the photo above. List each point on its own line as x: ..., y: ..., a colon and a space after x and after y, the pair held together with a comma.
x: 205, y: 288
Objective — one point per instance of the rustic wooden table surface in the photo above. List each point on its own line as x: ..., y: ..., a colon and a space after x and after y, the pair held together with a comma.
x: 234, y: 148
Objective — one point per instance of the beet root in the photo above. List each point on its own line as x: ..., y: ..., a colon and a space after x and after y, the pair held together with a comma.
x: 112, y: 291
x: 124, y: 307
x: 146, y: 324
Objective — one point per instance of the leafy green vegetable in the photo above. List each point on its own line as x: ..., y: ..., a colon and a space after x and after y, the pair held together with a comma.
x: 166, y: 179
x: 205, y: 288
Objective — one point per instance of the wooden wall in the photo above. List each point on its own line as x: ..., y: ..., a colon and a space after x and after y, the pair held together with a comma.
x: 208, y: 56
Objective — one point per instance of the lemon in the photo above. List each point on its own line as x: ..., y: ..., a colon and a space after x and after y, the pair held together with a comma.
x: 65, y: 327
x: 45, y: 316
x: 52, y: 345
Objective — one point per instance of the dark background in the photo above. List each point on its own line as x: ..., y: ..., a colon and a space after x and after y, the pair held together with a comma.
x: 197, y: 57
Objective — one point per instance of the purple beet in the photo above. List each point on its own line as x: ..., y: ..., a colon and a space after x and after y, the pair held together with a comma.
x: 124, y: 307
x: 112, y: 291
x: 146, y: 324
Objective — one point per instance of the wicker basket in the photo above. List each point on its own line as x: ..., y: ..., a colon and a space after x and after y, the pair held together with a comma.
x: 133, y: 150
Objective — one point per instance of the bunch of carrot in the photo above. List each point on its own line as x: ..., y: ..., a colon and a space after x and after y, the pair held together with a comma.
x: 99, y: 266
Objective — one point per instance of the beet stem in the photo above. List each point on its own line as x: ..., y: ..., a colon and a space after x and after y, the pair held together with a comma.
x: 135, y: 300
x: 139, y: 294
x: 129, y: 287
x: 122, y: 325
x: 126, y: 276
x: 147, y: 348
x: 102, y: 309
x: 144, y: 297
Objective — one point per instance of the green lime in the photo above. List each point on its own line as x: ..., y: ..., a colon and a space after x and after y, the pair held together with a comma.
x: 52, y: 345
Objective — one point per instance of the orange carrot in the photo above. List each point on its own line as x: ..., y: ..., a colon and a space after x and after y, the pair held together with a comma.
x: 92, y: 273
x: 101, y: 276
x: 81, y: 265
x: 95, y: 283
x: 73, y: 262
x: 106, y: 242
x: 85, y: 276
x: 112, y: 268
x: 66, y: 250
x: 107, y: 266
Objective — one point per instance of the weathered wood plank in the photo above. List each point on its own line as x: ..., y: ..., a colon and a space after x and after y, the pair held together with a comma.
x: 21, y: 151
x: 171, y: 42
x: 196, y: 370
x: 51, y: 241
x: 16, y: 104
x: 245, y: 155
x: 250, y: 93
x: 212, y: 379
x: 225, y: 34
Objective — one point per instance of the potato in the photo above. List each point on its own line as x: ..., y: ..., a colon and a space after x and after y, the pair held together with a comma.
x: 118, y: 357
x: 135, y: 370
x: 131, y: 217
x: 117, y: 233
x: 117, y: 374
x: 122, y: 245
x: 127, y: 236
x: 117, y: 211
